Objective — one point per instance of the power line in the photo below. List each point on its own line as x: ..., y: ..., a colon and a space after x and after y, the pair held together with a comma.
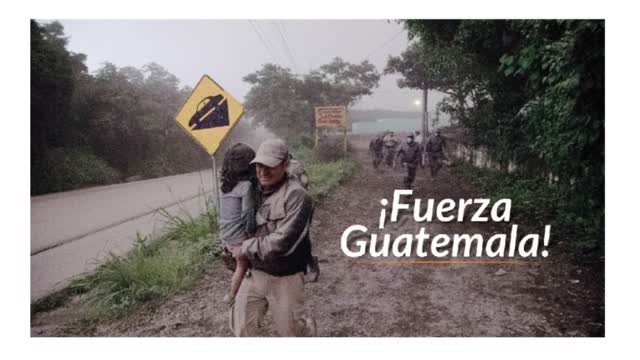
x: 384, y: 44
x: 286, y: 45
x: 277, y: 55
x: 287, y: 51
x: 293, y: 52
x: 286, y: 56
x: 265, y: 42
x: 286, y: 35
x: 262, y: 40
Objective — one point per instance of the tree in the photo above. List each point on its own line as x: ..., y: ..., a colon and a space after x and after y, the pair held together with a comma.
x: 531, y: 91
x: 130, y: 113
x: 90, y: 129
x: 285, y: 103
x: 345, y: 83
x: 51, y: 88
x: 275, y: 101
x: 446, y: 69
x: 562, y: 67
x: 51, y: 94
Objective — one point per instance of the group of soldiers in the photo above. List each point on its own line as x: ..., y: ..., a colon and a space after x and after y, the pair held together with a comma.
x: 387, y: 147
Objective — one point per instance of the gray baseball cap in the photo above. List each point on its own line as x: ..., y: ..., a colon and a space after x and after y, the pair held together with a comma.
x: 271, y: 153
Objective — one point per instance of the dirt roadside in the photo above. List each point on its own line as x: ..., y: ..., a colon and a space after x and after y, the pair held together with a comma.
x: 554, y: 297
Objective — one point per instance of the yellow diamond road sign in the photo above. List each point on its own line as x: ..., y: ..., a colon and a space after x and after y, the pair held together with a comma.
x: 209, y: 114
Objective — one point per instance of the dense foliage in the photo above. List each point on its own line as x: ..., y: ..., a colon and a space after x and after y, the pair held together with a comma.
x: 90, y: 129
x: 284, y: 103
x: 531, y: 91
x: 119, y: 122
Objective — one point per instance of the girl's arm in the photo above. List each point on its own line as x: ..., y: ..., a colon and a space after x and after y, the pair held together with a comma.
x: 249, y: 211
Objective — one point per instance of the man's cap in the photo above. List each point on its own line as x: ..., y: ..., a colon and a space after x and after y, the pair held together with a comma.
x: 271, y: 153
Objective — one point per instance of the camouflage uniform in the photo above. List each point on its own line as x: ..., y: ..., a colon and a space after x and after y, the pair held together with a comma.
x: 411, y: 156
x: 390, y: 144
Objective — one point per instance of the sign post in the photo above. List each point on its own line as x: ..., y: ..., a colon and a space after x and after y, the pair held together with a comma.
x: 208, y: 115
x: 214, y: 171
x: 332, y: 117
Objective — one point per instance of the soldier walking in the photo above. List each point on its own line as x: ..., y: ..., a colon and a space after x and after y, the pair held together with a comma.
x: 411, y: 156
x: 434, y: 148
x: 390, y: 143
x: 375, y: 149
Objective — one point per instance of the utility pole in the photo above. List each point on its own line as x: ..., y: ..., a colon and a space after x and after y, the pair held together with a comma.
x: 425, y: 116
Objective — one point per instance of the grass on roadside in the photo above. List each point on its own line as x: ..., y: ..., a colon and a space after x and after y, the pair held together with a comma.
x: 153, y: 270
x: 158, y: 267
x: 542, y: 204
x: 324, y: 176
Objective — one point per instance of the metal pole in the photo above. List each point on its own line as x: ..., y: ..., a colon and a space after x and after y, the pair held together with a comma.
x: 346, y: 123
x: 425, y: 116
x: 215, y: 184
x: 345, y: 141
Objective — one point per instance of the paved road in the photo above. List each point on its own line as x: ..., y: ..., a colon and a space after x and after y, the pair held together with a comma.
x: 70, y: 231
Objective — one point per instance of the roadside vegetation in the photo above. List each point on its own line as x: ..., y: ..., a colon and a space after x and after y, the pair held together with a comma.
x: 155, y: 268
x: 105, y: 126
x: 531, y: 92
x: 118, y: 122
x: 538, y: 203
x: 327, y: 167
x: 162, y: 265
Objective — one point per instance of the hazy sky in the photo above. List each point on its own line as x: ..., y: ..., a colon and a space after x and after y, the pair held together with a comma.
x: 227, y: 50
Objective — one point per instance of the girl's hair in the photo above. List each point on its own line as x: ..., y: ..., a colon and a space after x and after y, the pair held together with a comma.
x: 237, y: 166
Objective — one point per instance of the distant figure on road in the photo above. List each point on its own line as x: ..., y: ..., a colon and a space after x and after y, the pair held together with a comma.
x: 237, y: 217
x: 435, y: 148
x: 391, y: 142
x: 418, y: 138
x: 375, y: 149
x: 279, y: 252
x: 410, y: 155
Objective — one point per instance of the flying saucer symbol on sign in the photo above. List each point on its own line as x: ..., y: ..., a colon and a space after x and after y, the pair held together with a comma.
x: 209, y: 114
